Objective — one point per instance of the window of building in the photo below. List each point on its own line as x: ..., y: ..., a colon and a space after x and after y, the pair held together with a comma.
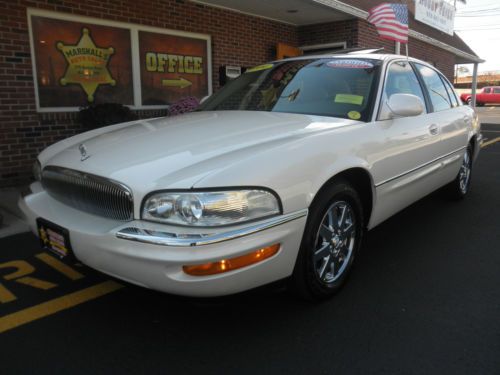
x: 435, y: 87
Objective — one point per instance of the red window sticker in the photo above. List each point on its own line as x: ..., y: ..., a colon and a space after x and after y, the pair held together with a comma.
x: 350, y: 64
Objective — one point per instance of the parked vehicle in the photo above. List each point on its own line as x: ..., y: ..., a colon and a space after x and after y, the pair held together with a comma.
x: 488, y: 95
x: 276, y: 176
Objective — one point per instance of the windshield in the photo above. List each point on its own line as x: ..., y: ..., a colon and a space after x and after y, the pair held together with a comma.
x: 337, y: 87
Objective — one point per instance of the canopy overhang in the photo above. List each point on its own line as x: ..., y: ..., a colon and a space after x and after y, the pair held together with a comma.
x: 309, y: 12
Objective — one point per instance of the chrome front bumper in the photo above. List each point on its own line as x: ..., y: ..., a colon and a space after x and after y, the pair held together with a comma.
x: 186, y: 239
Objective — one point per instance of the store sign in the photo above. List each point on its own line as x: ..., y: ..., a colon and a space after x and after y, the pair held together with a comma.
x: 80, y: 61
x: 172, y: 67
x: 436, y: 13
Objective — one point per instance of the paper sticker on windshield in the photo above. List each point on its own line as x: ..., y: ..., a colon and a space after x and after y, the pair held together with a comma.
x: 259, y: 67
x: 354, y: 115
x: 350, y: 64
x: 349, y: 99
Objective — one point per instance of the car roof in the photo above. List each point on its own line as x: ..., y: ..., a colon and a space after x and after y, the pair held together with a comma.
x: 355, y: 55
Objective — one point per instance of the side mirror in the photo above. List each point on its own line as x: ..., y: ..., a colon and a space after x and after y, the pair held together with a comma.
x: 405, y: 105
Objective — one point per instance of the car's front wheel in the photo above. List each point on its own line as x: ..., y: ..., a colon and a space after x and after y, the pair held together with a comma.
x: 332, y: 237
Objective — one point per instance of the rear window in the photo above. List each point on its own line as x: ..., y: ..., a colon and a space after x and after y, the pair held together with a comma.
x: 325, y: 87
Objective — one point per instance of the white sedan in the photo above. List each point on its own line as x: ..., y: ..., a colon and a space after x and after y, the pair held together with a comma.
x: 276, y: 176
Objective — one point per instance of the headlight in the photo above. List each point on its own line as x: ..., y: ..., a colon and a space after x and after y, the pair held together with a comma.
x: 37, y: 170
x: 210, y: 208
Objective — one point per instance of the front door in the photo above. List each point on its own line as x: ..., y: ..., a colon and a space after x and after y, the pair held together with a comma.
x: 404, y: 166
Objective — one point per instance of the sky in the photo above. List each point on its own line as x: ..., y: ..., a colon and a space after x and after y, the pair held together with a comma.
x: 478, y: 24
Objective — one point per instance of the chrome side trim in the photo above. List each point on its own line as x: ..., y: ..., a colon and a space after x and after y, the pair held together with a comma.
x: 186, y: 240
x: 419, y: 167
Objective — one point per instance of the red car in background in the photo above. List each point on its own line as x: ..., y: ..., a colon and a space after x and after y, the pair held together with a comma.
x: 488, y: 95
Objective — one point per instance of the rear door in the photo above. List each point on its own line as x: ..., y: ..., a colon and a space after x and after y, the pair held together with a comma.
x: 451, y: 120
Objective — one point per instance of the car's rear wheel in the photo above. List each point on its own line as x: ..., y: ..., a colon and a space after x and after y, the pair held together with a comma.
x: 469, y: 101
x: 332, y: 237
x: 460, y: 186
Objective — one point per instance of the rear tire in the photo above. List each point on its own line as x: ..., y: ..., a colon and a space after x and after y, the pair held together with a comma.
x: 332, y: 237
x: 460, y: 186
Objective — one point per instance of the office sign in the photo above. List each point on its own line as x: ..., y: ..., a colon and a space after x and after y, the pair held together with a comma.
x: 172, y: 67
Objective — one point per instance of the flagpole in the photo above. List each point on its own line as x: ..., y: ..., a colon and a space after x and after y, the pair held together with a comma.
x: 398, y: 48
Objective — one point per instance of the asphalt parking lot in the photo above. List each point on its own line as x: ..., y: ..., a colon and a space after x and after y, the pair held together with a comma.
x: 424, y: 298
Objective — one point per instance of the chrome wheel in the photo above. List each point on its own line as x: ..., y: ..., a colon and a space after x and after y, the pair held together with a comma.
x: 464, y: 173
x: 335, y: 242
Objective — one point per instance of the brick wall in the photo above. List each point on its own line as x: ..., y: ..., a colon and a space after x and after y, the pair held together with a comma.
x: 236, y: 40
x: 342, y: 31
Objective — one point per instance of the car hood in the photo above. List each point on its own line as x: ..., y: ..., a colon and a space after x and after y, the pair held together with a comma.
x: 176, y: 152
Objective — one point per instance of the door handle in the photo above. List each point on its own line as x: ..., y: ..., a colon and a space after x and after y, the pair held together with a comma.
x: 433, y: 129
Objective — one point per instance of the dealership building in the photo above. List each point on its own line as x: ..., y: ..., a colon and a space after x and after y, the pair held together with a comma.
x: 57, y: 56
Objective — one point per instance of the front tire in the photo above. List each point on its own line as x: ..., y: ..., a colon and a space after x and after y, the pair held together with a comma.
x: 332, y: 237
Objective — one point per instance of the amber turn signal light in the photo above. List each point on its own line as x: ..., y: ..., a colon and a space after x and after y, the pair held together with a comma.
x: 230, y: 264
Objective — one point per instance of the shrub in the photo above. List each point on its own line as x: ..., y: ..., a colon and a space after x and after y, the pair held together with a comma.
x: 97, y: 115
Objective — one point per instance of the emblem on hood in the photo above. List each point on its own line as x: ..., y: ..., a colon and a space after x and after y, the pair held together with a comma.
x: 83, y: 152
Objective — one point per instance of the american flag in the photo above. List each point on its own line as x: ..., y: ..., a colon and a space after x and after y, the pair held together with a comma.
x: 391, y: 21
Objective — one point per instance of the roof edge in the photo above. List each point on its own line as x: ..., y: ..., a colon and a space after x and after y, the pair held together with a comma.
x: 360, y: 13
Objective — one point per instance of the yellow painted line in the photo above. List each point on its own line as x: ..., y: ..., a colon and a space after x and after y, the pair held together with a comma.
x: 6, y: 295
x: 36, y: 283
x: 66, y: 270
x: 62, y: 303
x: 494, y: 140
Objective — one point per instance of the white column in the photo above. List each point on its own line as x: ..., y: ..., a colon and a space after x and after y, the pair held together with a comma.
x: 397, y: 49
x: 474, y: 85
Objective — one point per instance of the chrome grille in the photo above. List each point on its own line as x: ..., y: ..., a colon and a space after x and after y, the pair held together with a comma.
x: 86, y: 192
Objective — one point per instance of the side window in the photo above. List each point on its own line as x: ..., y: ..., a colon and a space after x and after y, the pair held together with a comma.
x: 451, y: 92
x: 487, y: 90
x: 435, y: 87
x: 496, y: 90
x: 401, y: 79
